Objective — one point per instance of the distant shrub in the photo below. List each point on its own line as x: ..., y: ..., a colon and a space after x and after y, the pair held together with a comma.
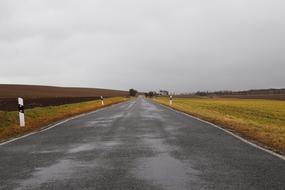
x: 133, y: 92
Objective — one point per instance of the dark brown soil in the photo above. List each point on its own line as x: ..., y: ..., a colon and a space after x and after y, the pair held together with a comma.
x: 260, y: 96
x: 33, y: 91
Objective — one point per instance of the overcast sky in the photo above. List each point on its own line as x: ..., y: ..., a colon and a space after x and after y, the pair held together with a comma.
x: 178, y: 45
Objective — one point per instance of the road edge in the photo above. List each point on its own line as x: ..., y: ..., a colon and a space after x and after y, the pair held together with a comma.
x: 55, y: 124
x: 225, y: 130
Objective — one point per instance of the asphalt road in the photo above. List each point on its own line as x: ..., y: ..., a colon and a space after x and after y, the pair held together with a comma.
x: 137, y: 145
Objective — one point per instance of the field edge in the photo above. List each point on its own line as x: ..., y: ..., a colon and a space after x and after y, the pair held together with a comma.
x: 229, y: 130
x: 54, y: 121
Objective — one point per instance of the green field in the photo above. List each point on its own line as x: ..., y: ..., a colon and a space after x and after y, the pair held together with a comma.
x: 42, y: 116
x: 260, y: 120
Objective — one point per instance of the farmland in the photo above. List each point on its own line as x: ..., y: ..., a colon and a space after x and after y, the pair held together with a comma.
x: 262, y: 121
x: 41, y: 96
x: 34, y: 91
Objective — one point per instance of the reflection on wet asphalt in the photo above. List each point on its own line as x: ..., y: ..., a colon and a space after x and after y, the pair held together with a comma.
x: 136, y: 145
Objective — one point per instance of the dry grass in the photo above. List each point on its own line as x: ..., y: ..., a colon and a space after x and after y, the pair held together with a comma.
x: 42, y: 116
x: 260, y: 120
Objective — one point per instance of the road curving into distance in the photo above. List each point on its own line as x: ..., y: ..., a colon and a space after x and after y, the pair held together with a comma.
x: 137, y: 145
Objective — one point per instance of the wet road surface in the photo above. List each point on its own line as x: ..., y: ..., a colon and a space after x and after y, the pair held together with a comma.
x: 137, y: 145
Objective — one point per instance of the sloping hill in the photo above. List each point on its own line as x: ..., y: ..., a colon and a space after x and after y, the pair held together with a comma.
x: 41, y: 96
x: 34, y: 91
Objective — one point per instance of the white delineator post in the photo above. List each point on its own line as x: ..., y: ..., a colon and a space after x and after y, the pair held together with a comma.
x: 170, y: 100
x: 102, y: 100
x: 21, y: 112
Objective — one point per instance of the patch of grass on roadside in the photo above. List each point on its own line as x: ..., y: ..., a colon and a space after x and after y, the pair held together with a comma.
x: 42, y: 116
x: 259, y: 120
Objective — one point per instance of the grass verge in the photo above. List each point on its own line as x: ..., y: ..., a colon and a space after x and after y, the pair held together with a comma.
x: 262, y: 121
x: 37, y: 118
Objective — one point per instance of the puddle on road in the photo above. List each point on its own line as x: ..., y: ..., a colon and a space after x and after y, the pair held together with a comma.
x: 164, y: 170
x: 80, y: 148
x: 157, y: 145
x: 129, y: 106
x: 110, y: 143
x: 92, y: 146
x: 151, y: 115
x: 167, y: 172
x: 115, y: 116
x: 101, y: 123
x: 47, y: 151
x: 147, y: 135
x: 62, y: 170
x: 151, y: 112
x: 65, y: 169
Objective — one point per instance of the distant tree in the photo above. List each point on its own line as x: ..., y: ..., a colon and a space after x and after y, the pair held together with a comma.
x: 150, y: 94
x: 200, y: 93
x: 133, y: 92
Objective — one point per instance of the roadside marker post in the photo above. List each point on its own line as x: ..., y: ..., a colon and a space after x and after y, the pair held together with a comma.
x: 102, y: 100
x: 21, y: 112
x: 170, y: 100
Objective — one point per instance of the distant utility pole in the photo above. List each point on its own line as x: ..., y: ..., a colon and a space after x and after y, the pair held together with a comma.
x: 102, y: 100
x: 170, y: 100
x: 21, y: 112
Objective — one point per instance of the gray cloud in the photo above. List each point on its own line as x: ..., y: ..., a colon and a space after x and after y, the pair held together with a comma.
x: 153, y: 44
